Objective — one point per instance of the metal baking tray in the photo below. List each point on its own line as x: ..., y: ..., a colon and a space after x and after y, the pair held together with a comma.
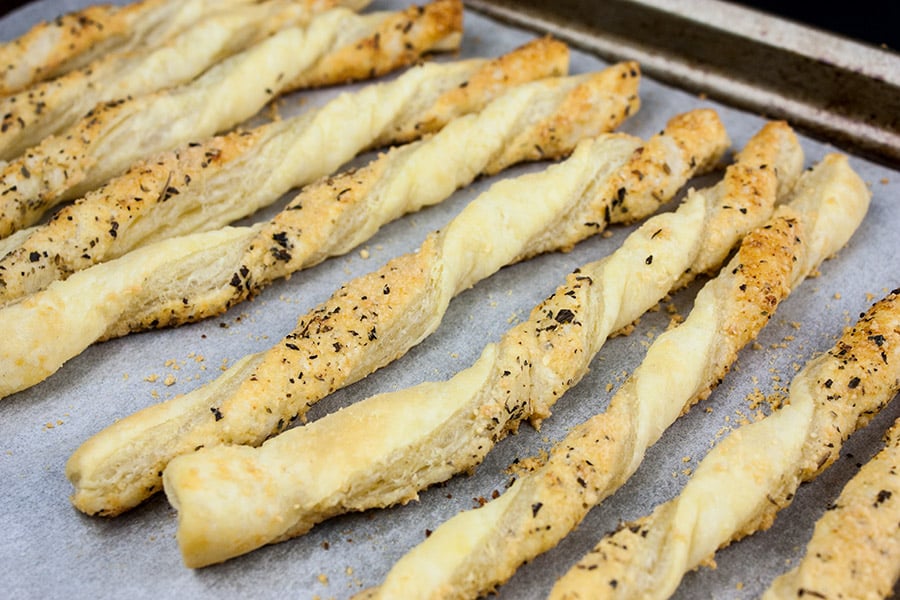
x: 841, y: 95
x: 841, y: 90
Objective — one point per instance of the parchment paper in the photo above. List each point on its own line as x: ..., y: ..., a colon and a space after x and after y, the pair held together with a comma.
x: 48, y: 549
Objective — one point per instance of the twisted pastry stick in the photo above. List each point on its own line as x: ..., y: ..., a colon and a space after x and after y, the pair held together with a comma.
x: 349, y: 208
x: 114, y: 135
x: 366, y: 324
x: 754, y: 472
x: 50, y: 107
x: 173, y: 282
x: 855, y: 549
x: 407, y: 440
x: 479, y: 549
x: 72, y: 40
x: 207, y: 185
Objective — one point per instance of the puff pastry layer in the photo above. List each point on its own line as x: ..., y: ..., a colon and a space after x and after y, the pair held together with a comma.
x: 209, y: 184
x: 51, y: 106
x: 855, y: 548
x: 72, y: 40
x: 115, y: 134
x: 754, y: 472
x: 371, y: 320
x: 407, y: 440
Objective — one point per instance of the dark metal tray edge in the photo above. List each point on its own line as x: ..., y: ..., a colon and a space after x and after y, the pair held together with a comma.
x: 840, y: 91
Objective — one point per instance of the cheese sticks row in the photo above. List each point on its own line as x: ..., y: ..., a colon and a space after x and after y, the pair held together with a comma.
x: 756, y: 470
x: 75, y: 39
x: 194, y: 277
x: 392, y: 309
x: 206, y: 185
x: 476, y: 550
x: 114, y: 135
x: 51, y: 106
x: 407, y: 440
x: 254, y: 256
x: 367, y: 323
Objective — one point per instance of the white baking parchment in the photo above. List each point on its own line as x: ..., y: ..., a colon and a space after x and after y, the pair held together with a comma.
x: 49, y: 549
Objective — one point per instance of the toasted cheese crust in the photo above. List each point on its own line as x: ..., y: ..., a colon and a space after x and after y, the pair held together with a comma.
x: 50, y: 107
x: 410, y: 439
x: 116, y: 134
x: 855, y: 548
x: 74, y: 39
x: 398, y: 39
x: 210, y: 184
x: 756, y: 470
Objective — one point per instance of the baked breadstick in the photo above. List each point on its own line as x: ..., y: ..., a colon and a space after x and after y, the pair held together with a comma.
x: 366, y: 324
x: 407, y: 440
x: 855, y: 548
x: 754, y: 472
x: 175, y: 287
x: 208, y: 185
x: 116, y: 134
x: 479, y: 549
x: 349, y: 208
x: 507, y: 70
x: 50, y: 107
x: 364, y: 51
x: 75, y: 39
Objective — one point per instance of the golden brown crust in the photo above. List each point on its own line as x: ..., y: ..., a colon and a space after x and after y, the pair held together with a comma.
x: 97, y: 227
x: 616, y: 93
x: 700, y: 143
x: 116, y: 134
x: 600, y: 454
x: 754, y: 472
x: 399, y: 40
x: 855, y: 548
x: 138, y: 207
x: 767, y: 168
x: 355, y: 202
x: 690, y: 144
x: 403, y: 442
x: 77, y: 39
x: 491, y: 80
x: 63, y: 41
x: 51, y: 106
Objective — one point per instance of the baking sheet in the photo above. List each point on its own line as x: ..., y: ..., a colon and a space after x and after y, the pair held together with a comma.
x: 48, y: 549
